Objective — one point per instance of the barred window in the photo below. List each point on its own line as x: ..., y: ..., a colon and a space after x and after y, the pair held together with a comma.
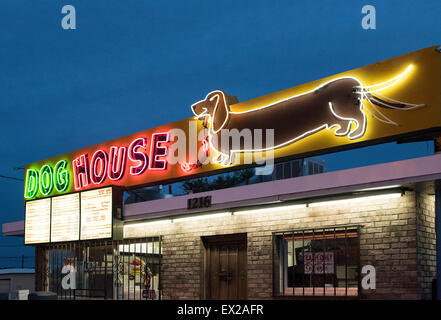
x: 105, y: 269
x: 317, y: 262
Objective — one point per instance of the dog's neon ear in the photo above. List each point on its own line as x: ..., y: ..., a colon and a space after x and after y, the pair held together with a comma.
x: 221, y: 111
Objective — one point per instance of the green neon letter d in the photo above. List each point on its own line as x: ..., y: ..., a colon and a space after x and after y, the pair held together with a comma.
x: 31, y: 183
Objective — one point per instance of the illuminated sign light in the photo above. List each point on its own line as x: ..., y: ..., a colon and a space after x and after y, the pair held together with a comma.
x: 31, y: 183
x: 117, y: 162
x: 96, y: 214
x: 138, y: 156
x: 61, y: 179
x: 356, y: 199
x: 113, y: 165
x: 65, y: 221
x: 66, y: 218
x: 81, y: 171
x: 98, y: 170
x: 337, y: 103
x: 46, y: 179
x: 158, y: 151
x: 359, y: 107
x: 274, y: 209
x: 38, y: 221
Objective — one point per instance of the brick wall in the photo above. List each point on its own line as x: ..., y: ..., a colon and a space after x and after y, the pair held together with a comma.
x: 41, y: 268
x: 388, y: 241
x: 426, y: 245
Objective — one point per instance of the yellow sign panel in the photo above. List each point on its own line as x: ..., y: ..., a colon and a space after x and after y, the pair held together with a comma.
x: 383, y: 100
x: 393, y: 99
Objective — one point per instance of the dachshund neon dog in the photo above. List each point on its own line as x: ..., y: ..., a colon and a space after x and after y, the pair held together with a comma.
x: 335, y: 104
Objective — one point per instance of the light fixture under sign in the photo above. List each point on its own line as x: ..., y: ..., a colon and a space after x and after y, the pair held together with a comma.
x: 148, y: 223
x: 205, y: 216
x: 272, y: 209
x: 356, y: 199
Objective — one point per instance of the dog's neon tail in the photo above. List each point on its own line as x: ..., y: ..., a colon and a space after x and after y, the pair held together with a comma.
x: 386, y: 119
x: 412, y: 106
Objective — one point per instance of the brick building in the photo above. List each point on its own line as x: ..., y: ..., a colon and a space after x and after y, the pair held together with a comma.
x: 255, y: 241
x: 363, y: 233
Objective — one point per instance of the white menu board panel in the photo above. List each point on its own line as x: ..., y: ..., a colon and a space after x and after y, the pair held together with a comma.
x: 96, y: 214
x: 38, y: 221
x: 65, y: 218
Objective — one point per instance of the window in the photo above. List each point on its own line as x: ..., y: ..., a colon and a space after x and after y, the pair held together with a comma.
x: 310, y: 168
x: 118, y: 270
x: 297, y: 167
x: 317, y: 262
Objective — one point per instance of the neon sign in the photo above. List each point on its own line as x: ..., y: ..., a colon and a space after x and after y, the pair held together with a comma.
x: 157, y: 151
x: 113, y: 164
x: 96, y: 169
x: 117, y: 163
x: 355, y: 108
x: 46, y: 179
x: 138, y: 156
x: 337, y: 103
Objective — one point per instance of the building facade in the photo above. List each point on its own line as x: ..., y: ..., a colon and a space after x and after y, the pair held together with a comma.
x: 363, y: 233
x: 300, y: 238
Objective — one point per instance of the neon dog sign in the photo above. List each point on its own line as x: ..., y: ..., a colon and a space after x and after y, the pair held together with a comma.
x: 344, y: 111
x: 337, y: 103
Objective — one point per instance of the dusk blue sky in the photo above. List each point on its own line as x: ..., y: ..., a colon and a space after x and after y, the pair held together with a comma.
x: 132, y: 65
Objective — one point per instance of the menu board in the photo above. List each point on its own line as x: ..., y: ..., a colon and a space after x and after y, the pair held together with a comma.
x: 38, y: 221
x: 65, y: 218
x: 96, y: 214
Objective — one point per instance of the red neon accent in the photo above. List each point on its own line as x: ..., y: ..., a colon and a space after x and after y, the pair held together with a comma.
x: 206, y: 146
x: 99, y: 160
x: 139, y: 156
x: 157, y: 151
x: 80, y: 168
x: 117, y: 162
x: 186, y: 166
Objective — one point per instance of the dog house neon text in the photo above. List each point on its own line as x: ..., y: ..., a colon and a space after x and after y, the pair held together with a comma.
x: 46, y: 179
x: 112, y: 164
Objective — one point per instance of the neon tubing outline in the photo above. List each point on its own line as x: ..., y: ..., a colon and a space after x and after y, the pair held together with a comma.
x: 121, y: 163
x: 142, y: 164
x: 156, y: 145
x: 46, y: 173
x: 60, y: 170
x: 224, y: 156
x: 99, y: 155
x: 31, y: 176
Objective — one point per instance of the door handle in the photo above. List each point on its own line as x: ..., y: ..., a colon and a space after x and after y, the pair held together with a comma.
x: 225, y: 275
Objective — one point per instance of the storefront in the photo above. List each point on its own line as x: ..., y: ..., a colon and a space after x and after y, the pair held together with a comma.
x: 299, y: 237
x: 307, y: 237
x: 120, y: 270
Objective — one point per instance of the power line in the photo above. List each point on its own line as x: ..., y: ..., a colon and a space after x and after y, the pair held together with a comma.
x: 11, y: 178
x: 11, y: 246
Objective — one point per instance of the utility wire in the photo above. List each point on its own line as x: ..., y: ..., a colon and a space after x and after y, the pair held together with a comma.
x: 15, y: 246
x: 12, y: 178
